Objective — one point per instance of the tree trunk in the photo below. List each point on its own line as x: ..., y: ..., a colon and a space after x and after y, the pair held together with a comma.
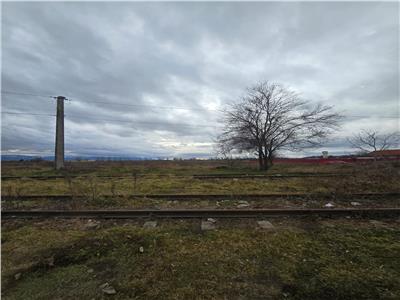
x: 265, y: 162
x: 264, y: 166
x: 260, y: 160
x: 270, y: 160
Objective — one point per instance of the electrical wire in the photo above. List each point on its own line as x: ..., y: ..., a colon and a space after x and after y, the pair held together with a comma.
x: 113, y: 120
x: 116, y: 103
x: 175, y: 107
x: 151, y: 106
x: 22, y: 113
x: 25, y: 94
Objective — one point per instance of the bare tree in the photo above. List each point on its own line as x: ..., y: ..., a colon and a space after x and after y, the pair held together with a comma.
x: 271, y: 118
x: 372, y: 140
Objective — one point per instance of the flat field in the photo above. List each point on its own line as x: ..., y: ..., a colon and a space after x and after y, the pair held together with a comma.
x: 132, y: 184
x: 296, y: 258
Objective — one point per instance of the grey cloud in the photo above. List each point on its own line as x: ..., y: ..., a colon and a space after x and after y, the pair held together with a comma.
x: 198, y: 55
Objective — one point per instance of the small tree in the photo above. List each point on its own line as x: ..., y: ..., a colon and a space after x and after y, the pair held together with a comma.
x: 271, y: 118
x: 371, y: 140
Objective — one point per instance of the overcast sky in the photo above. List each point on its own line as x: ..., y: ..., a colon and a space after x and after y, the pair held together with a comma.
x: 199, y: 56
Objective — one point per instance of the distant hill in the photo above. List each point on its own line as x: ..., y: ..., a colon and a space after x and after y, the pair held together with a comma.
x: 50, y: 158
x: 22, y: 157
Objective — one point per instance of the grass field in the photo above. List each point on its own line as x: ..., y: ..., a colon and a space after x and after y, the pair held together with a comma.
x: 184, y: 167
x: 300, y: 258
x: 169, y: 177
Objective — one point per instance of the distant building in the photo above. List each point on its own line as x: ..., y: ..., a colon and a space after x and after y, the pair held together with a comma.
x: 394, y: 153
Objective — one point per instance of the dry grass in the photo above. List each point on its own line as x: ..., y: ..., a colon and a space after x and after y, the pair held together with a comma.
x: 376, y: 177
x: 300, y: 259
x: 128, y: 168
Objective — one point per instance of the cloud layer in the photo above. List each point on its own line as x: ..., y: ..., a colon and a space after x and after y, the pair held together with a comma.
x: 158, y: 57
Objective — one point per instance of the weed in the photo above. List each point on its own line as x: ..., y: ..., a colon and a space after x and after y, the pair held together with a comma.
x: 113, y: 188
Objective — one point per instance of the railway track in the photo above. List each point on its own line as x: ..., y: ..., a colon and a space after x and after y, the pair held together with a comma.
x: 202, y: 196
x: 201, y: 213
x: 195, y: 176
x: 206, y: 196
x: 271, y: 176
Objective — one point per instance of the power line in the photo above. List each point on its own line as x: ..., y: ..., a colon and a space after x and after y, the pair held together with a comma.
x: 372, y: 116
x: 116, y: 103
x: 152, y: 106
x: 32, y: 114
x: 174, y: 107
x: 25, y: 94
x: 159, y: 123
x: 142, y: 122
x: 114, y: 120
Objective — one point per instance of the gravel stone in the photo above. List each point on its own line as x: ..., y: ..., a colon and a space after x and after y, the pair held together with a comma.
x: 207, y: 225
x: 106, y: 288
x: 92, y: 224
x: 150, y: 224
x: 243, y: 202
x: 265, y: 224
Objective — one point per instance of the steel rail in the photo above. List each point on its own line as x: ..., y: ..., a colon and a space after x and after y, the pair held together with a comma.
x: 199, y: 213
x: 195, y: 176
x: 271, y: 176
x: 203, y: 196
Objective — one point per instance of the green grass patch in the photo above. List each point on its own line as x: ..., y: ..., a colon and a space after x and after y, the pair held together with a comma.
x: 179, y: 261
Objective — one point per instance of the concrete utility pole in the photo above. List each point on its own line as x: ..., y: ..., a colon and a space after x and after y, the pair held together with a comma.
x: 59, y: 151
